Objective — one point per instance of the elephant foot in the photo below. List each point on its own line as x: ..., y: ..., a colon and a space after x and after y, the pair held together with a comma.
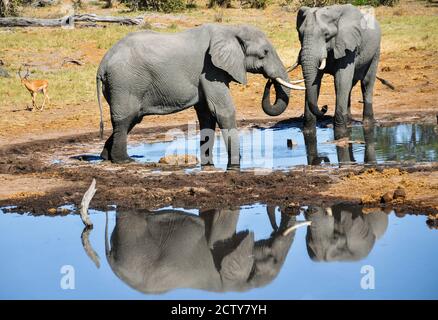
x: 233, y: 167
x: 368, y: 122
x: 207, y: 165
x: 104, y: 154
x: 122, y: 161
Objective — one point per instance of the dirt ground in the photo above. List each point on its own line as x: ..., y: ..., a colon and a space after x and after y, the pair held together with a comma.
x: 28, y: 140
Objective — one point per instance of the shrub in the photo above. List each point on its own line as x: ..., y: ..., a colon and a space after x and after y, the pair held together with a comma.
x: 156, y: 5
x: 256, y: 4
x: 219, y: 3
x: 9, y: 8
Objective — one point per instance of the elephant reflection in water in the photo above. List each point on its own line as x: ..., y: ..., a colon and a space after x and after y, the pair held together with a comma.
x: 343, y: 232
x: 155, y: 252
x: 344, y: 152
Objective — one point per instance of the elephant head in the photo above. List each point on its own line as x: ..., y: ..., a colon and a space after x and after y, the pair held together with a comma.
x: 155, y: 252
x: 242, y: 49
x: 343, y: 232
x: 327, y: 33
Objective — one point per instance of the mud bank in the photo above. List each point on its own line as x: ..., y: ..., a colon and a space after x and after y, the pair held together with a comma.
x: 33, y: 182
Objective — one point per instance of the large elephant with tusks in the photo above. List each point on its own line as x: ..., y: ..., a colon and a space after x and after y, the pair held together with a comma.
x: 156, y: 252
x: 150, y: 73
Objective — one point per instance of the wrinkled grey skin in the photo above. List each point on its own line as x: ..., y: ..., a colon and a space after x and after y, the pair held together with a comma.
x: 149, y: 73
x: 344, y: 153
x: 155, y: 252
x: 351, y: 44
x: 346, y: 235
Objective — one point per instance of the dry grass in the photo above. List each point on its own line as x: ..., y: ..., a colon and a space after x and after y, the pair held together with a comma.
x: 409, y: 37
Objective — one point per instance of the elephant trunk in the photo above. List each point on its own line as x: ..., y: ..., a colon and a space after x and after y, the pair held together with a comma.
x: 281, y: 98
x: 312, y: 80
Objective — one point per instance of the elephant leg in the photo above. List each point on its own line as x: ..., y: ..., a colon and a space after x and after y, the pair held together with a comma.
x: 350, y: 117
x: 228, y: 126
x: 343, y: 86
x: 207, y: 126
x: 115, y: 148
x: 367, y: 86
x: 220, y: 104
x: 105, y: 154
x: 370, y: 150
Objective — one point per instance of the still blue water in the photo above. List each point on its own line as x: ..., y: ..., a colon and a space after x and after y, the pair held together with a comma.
x: 221, y: 254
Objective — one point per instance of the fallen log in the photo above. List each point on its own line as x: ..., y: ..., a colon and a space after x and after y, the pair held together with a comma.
x: 33, y: 22
x: 67, y: 21
x: 108, y: 19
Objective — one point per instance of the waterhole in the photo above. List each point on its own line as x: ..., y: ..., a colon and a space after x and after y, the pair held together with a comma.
x: 249, y: 252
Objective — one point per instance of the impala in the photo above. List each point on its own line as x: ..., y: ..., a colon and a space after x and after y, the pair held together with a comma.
x: 35, y: 86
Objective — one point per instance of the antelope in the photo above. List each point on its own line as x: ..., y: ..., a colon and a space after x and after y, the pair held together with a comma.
x: 35, y: 86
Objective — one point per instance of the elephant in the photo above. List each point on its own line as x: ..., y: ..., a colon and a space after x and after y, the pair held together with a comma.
x: 341, y: 41
x: 158, y: 251
x: 151, y: 73
x: 342, y: 232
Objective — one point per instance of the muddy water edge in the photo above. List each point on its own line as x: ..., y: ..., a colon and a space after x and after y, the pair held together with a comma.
x: 136, y: 185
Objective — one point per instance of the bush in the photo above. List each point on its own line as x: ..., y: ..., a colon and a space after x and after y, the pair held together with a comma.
x: 219, y: 3
x: 156, y: 5
x: 9, y: 8
x: 256, y: 4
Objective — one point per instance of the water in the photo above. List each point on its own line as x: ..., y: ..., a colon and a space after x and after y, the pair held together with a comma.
x: 269, y: 148
x: 245, y: 253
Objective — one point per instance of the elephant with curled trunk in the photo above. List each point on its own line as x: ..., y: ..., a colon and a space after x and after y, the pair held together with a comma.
x: 155, y: 252
x: 149, y: 73
x: 341, y: 41
x: 343, y: 232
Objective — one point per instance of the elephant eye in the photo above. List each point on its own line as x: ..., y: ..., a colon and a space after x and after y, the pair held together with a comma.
x: 263, y: 55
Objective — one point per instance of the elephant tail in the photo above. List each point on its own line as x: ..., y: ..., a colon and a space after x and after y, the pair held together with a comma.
x: 99, y: 90
x: 386, y: 83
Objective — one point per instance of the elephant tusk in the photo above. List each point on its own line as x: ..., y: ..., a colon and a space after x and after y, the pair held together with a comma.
x: 289, y: 85
x: 292, y: 67
x: 297, y: 81
x: 322, y: 65
x: 296, y: 226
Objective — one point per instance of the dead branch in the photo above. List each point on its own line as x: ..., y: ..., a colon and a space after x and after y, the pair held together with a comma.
x: 73, y: 61
x: 86, y: 202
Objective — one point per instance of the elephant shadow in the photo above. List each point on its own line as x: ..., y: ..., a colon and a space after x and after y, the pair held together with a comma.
x: 159, y: 251
x: 343, y: 232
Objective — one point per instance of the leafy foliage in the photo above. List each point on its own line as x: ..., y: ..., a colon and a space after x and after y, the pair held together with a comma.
x: 156, y: 5
x: 256, y: 4
x: 9, y: 8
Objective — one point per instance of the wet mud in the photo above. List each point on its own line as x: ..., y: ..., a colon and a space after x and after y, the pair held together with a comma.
x: 49, y: 183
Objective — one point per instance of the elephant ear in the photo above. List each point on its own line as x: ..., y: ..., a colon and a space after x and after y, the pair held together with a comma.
x: 227, y: 54
x: 301, y: 15
x: 237, y: 265
x: 349, y: 33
